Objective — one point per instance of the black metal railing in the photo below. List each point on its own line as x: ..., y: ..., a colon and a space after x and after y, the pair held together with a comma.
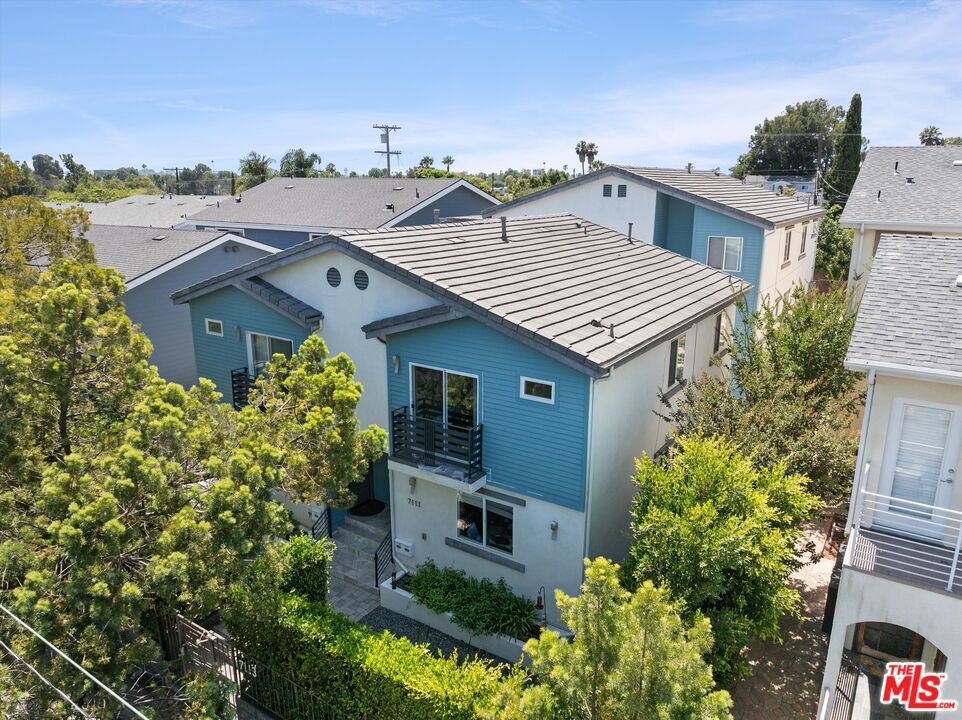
x: 241, y: 383
x: 383, y: 558
x: 322, y: 527
x: 422, y: 440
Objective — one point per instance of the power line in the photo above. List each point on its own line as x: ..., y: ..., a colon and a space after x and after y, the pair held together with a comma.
x: 36, y: 672
x: 57, y: 650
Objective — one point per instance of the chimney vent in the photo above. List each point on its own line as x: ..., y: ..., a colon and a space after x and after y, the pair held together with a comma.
x: 878, y: 198
x: 504, y: 229
x: 437, y: 216
x: 158, y: 237
x: 417, y: 192
x: 910, y: 181
x: 689, y: 167
x: 629, y: 231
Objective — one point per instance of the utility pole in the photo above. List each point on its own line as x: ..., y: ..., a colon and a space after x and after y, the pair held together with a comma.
x: 386, y: 131
x: 176, y: 178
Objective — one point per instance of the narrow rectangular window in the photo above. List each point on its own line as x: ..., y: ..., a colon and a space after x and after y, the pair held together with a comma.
x: 676, y: 361
x: 725, y: 253
x: 214, y: 327
x: 606, y: 190
x: 622, y: 191
x: 801, y: 249
x: 788, y: 245
x: 719, y: 332
x: 537, y: 390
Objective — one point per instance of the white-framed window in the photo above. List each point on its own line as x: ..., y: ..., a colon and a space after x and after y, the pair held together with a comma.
x: 261, y: 348
x: 801, y: 248
x: 537, y: 390
x: 445, y: 396
x: 214, y: 327
x: 486, y: 522
x: 787, y: 256
x: 725, y: 253
x: 606, y: 190
x: 676, y: 361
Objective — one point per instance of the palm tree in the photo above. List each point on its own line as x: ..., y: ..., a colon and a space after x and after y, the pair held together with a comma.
x: 426, y: 162
x: 591, y: 151
x: 581, y: 150
x: 447, y: 161
x: 255, y: 169
x: 931, y: 136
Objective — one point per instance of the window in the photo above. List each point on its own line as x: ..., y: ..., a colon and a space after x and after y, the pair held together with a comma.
x: 315, y: 236
x: 788, y: 246
x: 214, y: 327
x: 725, y: 253
x: 361, y: 280
x: 448, y: 397
x: 801, y: 249
x: 537, y: 390
x: 676, y: 361
x: 719, y: 333
x: 622, y: 191
x: 606, y: 190
x: 333, y: 277
x: 264, y: 347
x: 486, y: 522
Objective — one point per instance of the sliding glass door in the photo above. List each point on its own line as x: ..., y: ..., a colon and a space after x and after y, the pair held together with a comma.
x: 445, y: 406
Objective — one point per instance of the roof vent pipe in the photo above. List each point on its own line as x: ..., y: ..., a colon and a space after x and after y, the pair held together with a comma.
x: 504, y: 229
x: 629, y: 231
x: 878, y: 198
x: 896, y: 167
x: 417, y: 192
x: 689, y: 167
x: 437, y: 215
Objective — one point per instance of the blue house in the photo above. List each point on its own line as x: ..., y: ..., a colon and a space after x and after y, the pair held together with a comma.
x: 516, y: 362
x: 759, y: 236
x: 285, y: 211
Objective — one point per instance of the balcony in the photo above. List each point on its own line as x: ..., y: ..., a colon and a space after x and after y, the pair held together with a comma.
x: 241, y: 383
x: 440, y: 450
x: 909, y: 541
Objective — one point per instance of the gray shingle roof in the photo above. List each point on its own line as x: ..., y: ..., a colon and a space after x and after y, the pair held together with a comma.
x: 297, y: 310
x: 722, y: 193
x: 326, y: 202
x: 147, y: 210
x: 554, y: 276
x: 134, y: 251
x: 911, y: 311
x: 934, y: 198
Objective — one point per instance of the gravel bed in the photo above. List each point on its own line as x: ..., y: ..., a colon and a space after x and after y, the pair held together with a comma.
x: 401, y: 626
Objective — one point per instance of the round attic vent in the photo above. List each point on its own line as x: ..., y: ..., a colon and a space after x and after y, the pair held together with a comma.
x: 333, y: 277
x: 361, y: 280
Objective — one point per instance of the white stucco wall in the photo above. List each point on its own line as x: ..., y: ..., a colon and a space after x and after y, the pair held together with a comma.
x: 346, y: 309
x: 429, y: 514
x: 585, y: 200
x: 777, y: 276
x: 624, y: 424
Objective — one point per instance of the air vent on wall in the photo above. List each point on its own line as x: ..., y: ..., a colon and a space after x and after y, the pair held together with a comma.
x: 333, y: 277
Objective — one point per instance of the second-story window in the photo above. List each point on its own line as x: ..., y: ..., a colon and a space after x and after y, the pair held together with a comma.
x: 725, y: 253
x: 606, y: 190
x: 801, y: 248
x: 537, y: 390
x: 447, y: 397
x: 788, y: 246
x: 676, y: 361
x: 264, y: 347
x: 214, y: 327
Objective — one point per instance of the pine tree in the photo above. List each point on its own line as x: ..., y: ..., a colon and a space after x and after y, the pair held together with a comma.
x: 847, y: 156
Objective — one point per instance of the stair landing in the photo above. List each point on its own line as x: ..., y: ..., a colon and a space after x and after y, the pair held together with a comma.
x: 353, y: 592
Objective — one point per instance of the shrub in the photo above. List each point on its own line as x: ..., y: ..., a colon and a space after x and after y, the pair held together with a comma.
x: 359, y: 673
x: 308, y: 567
x: 478, y: 605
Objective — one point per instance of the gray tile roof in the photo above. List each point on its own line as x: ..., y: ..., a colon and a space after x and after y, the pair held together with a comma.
x: 134, y: 251
x: 147, y: 210
x: 326, y: 202
x: 721, y: 193
x: 547, y: 284
x: 297, y: 310
x: 911, y: 311
x: 933, y: 199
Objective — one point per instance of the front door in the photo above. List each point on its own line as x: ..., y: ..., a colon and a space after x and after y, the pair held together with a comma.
x: 922, y: 456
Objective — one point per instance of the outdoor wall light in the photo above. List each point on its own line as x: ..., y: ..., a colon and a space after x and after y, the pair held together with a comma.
x: 412, y: 481
x: 396, y: 362
x: 554, y: 529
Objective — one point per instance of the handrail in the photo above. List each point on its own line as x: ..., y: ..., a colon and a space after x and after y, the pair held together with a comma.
x: 322, y: 527
x: 382, y: 557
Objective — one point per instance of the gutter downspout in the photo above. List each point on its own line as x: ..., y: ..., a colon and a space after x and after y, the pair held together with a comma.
x: 588, y: 483
x: 857, y: 265
x: 860, y: 457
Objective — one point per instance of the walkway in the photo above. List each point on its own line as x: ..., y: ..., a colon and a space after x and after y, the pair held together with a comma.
x: 352, y: 590
x: 786, y: 677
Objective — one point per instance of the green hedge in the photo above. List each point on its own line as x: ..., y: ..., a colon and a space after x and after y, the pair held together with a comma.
x: 478, y: 605
x: 358, y: 673
x: 308, y: 564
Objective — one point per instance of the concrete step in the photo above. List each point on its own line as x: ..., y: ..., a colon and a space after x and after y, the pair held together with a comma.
x: 371, y: 528
x: 351, y: 561
x: 359, y: 577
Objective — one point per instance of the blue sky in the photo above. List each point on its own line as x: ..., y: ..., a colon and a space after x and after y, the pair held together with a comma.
x: 496, y: 84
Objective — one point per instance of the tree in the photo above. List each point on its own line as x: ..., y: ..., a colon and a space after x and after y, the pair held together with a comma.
x: 581, y: 150
x: 789, y: 143
x: 18, y: 179
x: 298, y: 163
x: 331, y: 170
x: 632, y: 656
x: 375, y: 172
x: 719, y: 534
x: 847, y: 155
x: 426, y: 162
x: 591, y: 151
x: 48, y: 170
x: 447, y: 161
x: 255, y: 169
x: 953, y: 140
x: 834, y: 248
x: 931, y: 136
x: 76, y: 174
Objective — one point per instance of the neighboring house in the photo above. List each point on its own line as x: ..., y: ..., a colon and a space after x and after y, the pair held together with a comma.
x: 778, y: 183
x: 517, y: 364
x: 286, y: 211
x: 768, y: 240
x: 899, y: 596
x: 154, y: 263
x: 915, y: 190
x: 163, y: 211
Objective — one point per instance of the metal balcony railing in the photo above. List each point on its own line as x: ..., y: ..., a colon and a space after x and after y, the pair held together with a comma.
x: 910, y: 541
x: 435, y: 443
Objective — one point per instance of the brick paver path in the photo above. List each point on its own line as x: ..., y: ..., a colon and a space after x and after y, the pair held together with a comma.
x: 786, y: 677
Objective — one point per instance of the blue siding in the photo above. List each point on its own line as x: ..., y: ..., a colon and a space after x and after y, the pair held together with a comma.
x: 678, y: 234
x: 282, y: 239
x: 240, y: 313
x: 709, y: 223
x: 462, y: 201
x: 532, y: 448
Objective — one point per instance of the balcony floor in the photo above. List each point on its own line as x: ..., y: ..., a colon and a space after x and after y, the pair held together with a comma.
x: 910, y: 560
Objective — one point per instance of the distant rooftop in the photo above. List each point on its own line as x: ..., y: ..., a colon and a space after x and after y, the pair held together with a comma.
x: 571, y: 288
x: 146, y: 210
x: 327, y: 202
x: 925, y: 189
x: 910, y: 315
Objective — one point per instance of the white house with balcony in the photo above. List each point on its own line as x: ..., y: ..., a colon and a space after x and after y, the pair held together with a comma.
x: 899, y: 594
